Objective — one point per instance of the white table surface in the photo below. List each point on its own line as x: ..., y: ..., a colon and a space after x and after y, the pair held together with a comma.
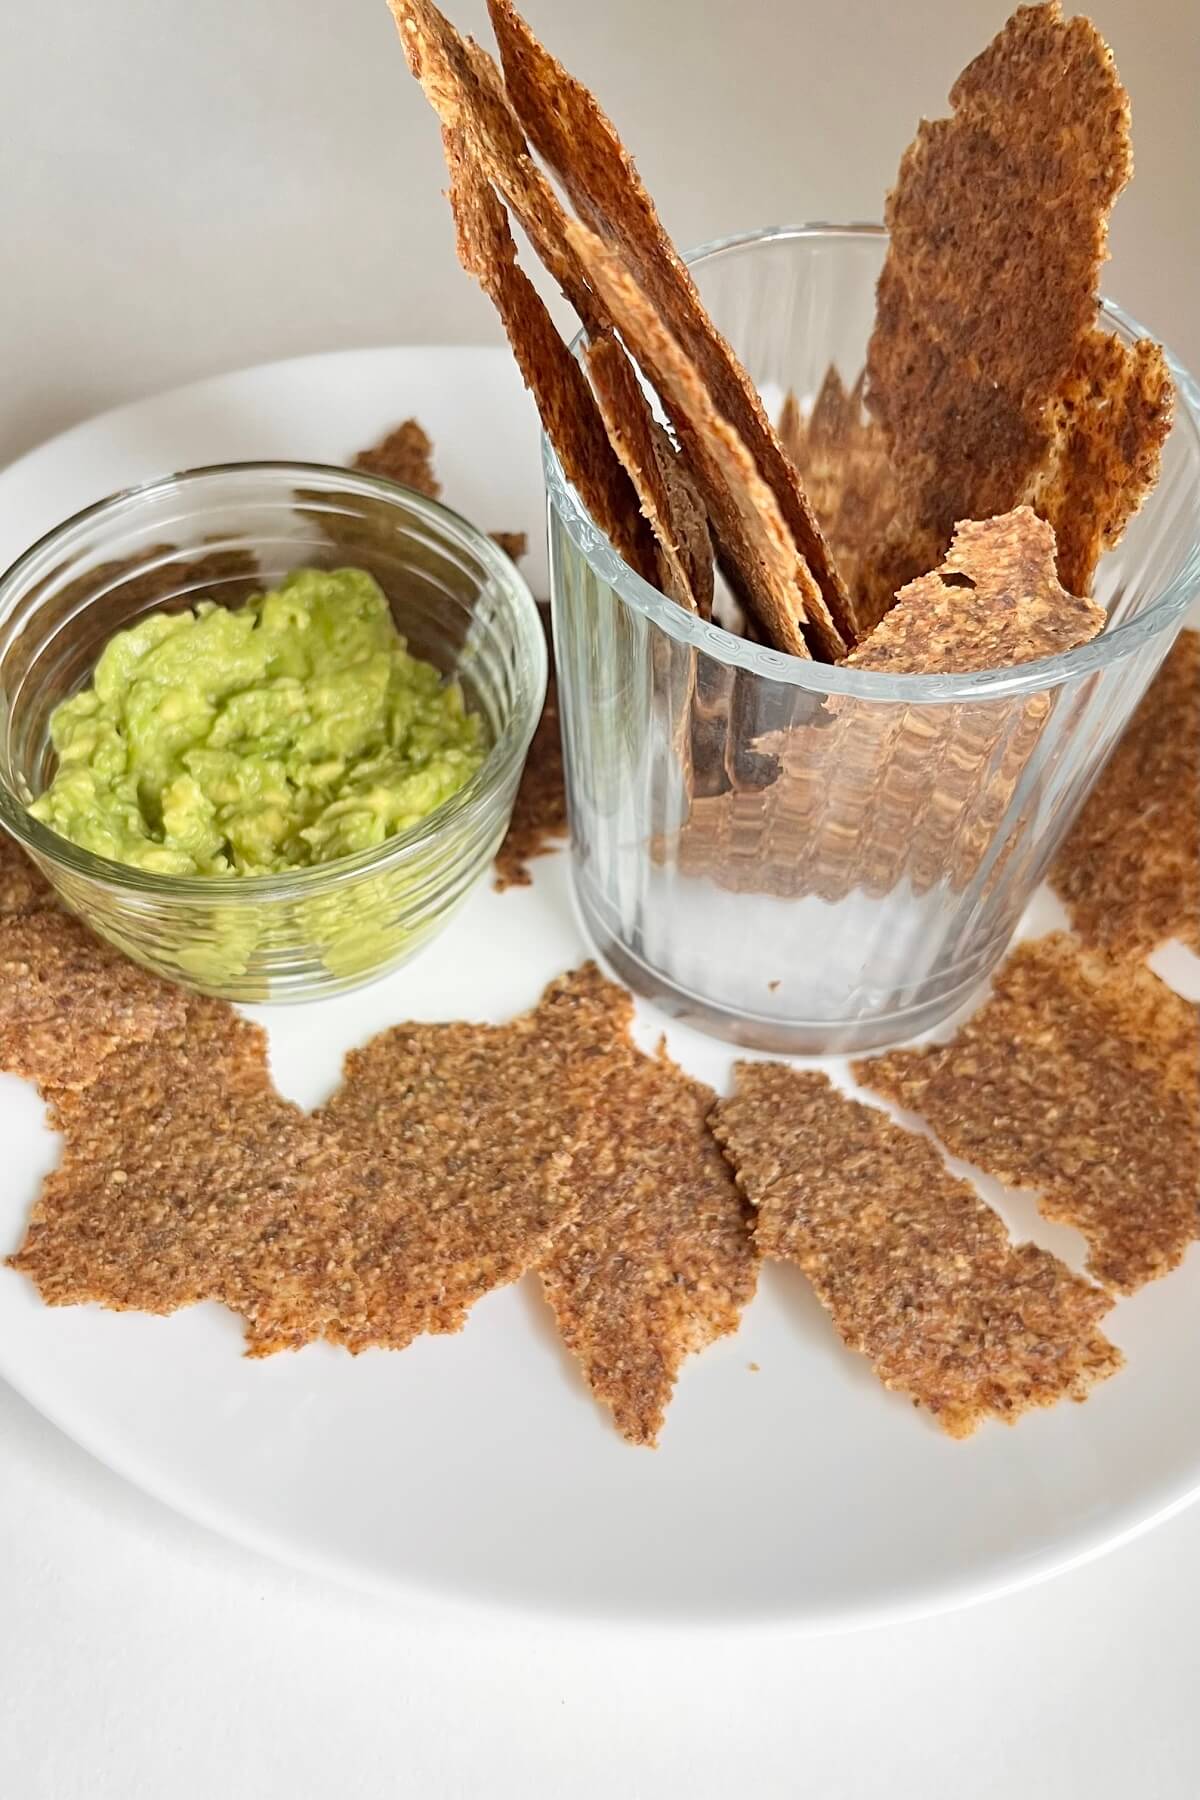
x: 154, y: 231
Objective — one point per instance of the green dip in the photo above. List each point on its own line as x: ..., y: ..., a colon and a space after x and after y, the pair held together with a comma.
x: 292, y: 730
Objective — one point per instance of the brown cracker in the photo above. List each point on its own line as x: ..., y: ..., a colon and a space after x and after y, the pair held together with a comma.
x: 1081, y: 1082
x: 665, y: 489
x: 539, y: 815
x: 180, y: 1166
x: 985, y: 349
x: 568, y: 409
x: 68, y: 1001
x: 659, y: 1261
x: 916, y: 1271
x: 23, y: 887
x: 405, y: 455
x: 760, y: 556
x: 515, y: 544
x: 1129, y: 873
x: 993, y: 603
x: 465, y: 1133
x: 581, y: 146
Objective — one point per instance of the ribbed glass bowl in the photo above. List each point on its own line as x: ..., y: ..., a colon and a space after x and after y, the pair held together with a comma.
x: 222, y: 533
x: 817, y: 859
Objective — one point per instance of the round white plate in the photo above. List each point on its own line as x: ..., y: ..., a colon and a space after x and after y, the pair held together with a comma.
x: 790, y: 1486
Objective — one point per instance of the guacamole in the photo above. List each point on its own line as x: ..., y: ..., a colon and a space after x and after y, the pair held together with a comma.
x: 292, y: 730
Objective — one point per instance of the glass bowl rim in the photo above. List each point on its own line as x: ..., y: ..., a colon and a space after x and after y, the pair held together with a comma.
x: 461, y: 809
x: 866, y: 684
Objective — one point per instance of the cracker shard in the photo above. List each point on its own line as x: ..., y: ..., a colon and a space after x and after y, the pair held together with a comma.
x: 1129, y: 873
x: 1079, y: 1079
x: 404, y: 455
x: 580, y: 144
x: 658, y: 1261
x: 23, y: 887
x: 539, y: 815
x: 993, y: 603
x: 68, y: 1002
x: 916, y: 1271
x: 986, y: 366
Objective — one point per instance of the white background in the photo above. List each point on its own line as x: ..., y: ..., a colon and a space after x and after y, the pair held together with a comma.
x: 187, y: 188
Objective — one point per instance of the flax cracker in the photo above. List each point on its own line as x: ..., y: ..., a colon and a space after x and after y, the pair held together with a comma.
x: 23, y: 887
x: 1130, y: 871
x: 405, y: 455
x: 1074, y: 1082
x: 761, y: 558
x: 68, y: 1001
x: 568, y: 409
x: 515, y: 544
x: 993, y: 603
x: 463, y: 1137
x: 486, y: 149
x: 668, y: 498
x: 659, y: 1261
x: 569, y: 129
x: 916, y: 1271
x: 180, y: 1168
x: 539, y: 815
x: 986, y: 367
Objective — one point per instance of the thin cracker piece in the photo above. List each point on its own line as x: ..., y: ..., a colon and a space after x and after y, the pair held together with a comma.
x: 404, y: 455
x: 485, y: 149
x: 579, y: 142
x: 1129, y: 873
x: 68, y: 1002
x: 515, y: 544
x: 180, y: 1170
x: 464, y: 1134
x: 659, y: 1261
x: 539, y: 815
x: 1067, y: 1083
x: 760, y: 555
x: 994, y: 602
x: 665, y: 489
x: 23, y: 887
x: 568, y: 409
x: 986, y: 368
x: 916, y: 1271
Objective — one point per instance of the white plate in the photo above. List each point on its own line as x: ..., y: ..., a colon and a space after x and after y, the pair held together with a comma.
x: 476, y: 1466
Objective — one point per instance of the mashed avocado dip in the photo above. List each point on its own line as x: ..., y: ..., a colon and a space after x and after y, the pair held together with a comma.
x: 292, y: 730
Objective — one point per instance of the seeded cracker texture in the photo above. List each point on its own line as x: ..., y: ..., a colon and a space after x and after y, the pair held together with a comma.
x: 580, y: 144
x: 486, y: 150
x: 987, y: 369
x: 69, y: 1002
x: 1079, y: 1080
x: 917, y: 1273
x: 659, y: 1261
x: 1129, y: 874
x: 993, y: 603
x: 23, y: 887
x: 405, y: 455
x: 539, y: 816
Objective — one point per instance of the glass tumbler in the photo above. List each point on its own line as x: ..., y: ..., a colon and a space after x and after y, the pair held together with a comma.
x: 815, y: 859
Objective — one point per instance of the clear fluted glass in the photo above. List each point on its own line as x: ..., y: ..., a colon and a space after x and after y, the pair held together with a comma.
x: 816, y: 859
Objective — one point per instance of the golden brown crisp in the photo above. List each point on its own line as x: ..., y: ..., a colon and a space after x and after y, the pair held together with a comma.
x: 1079, y: 1080
x: 539, y: 816
x: 405, y: 456
x: 180, y: 1173
x: 580, y: 144
x: 1129, y: 873
x: 916, y: 1271
x: 68, y: 1002
x: 986, y: 366
x: 659, y: 1261
x: 515, y: 544
x: 23, y: 887
x: 993, y: 603
x: 462, y: 1138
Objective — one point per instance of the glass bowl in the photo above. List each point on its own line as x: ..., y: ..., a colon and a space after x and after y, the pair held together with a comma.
x: 223, y: 533
x: 815, y: 859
